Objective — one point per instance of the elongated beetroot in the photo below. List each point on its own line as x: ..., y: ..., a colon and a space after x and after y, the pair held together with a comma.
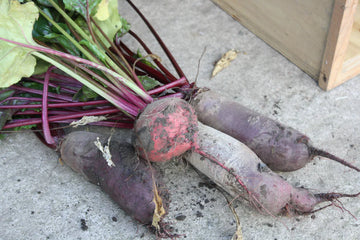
x: 129, y: 183
x: 281, y: 147
x: 165, y: 129
x: 235, y: 168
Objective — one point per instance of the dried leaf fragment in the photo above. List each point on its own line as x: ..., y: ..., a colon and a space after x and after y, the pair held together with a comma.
x: 224, y: 61
x: 159, y: 211
x: 86, y: 120
x: 238, y: 234
x: 105, y: 150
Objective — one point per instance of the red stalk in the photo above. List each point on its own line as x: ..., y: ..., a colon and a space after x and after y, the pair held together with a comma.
x: 64, y: 89
x: 39, y: 92
x: 44, y: 110
x: 56, y: 105
x: 23, y: 122
x: 163, y: 88
x: 149, y: 70
x: 158, y: 63
x: 119, y: 90
x: 126, y: 106
x: 28, y: 99
x: 70, y: 57
x: 137, y: 81
x: 50, y: 112
x: 162, y: 44
x: 175, y: 95
x: 62, y: 78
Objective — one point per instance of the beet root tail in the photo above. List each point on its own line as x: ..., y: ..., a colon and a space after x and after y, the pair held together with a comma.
x: 333, y: 198
x: 319, y: 152
x: 323, y: 197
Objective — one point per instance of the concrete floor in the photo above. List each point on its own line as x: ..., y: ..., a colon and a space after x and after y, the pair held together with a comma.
x: 41, y: 199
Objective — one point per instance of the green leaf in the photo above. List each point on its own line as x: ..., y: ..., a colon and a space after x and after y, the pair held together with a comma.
x: 138, y: 55
x: 41, y: 66
x: 111, y: 25
x: 16, y: 23
x: 125, y: 27
x: 44, y: 3
x: 32, y: 85
x: 42, y: 26
x: 103, y: 10
x: 79, y: 6
x: 6, y: 94
x: 148, y: 82
x: 85, y: 94
x: 26, y: 127
x: 37, y: 86
x: 45, y: 32
x: 64, y: 42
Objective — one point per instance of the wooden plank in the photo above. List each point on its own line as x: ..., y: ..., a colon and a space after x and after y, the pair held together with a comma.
x: 354, y: 44
x: 297, y: 29
x: 351, y: 65
x: 350, y: 69
x: 342, y: 20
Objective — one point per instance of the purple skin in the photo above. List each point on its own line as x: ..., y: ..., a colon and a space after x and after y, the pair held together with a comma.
x: 129, y: 183
x: 282, y: 148
x: 237, y: 169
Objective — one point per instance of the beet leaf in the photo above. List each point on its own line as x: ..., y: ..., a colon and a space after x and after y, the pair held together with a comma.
x: 16, y: 23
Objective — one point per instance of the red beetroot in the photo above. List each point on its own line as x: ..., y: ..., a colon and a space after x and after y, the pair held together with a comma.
x: 166, y: 129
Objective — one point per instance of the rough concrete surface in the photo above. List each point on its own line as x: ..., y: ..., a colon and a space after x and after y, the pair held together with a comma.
x: 41, y: 199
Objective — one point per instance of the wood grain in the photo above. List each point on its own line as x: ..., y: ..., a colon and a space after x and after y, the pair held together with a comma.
x: 337, y: 44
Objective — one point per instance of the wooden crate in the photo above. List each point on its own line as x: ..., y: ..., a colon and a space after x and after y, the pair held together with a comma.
x: 322, y: 37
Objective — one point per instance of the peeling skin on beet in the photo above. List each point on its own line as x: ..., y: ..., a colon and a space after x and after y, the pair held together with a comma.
x: 166, y: 129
